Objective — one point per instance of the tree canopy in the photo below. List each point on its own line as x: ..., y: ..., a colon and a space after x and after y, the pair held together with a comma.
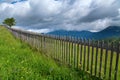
x: 9, y: 21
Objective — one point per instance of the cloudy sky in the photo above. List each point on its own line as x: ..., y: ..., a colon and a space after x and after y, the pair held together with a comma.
x: 48, y: 15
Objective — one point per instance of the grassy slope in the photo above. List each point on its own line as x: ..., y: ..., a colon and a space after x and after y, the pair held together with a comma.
x: 19, y: 62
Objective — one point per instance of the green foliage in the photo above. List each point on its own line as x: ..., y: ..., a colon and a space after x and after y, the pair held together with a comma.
x: 9, y: 21
x: 113, y: 39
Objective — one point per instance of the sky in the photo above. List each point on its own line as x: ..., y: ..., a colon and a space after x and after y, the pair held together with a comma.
x: 48, y: 15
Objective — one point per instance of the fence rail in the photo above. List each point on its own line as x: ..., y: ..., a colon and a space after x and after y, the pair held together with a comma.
x: 98, y: 58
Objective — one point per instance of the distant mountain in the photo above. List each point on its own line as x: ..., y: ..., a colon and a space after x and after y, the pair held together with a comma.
x: 111, y: 31
x: 72, y: 33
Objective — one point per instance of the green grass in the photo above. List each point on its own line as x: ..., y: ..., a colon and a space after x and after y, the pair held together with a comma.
x: 20, y: 62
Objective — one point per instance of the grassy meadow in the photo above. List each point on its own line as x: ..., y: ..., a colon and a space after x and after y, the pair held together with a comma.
x: 20, y: 62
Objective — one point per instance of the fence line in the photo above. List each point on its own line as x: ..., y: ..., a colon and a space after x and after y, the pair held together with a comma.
x: 97, y: 58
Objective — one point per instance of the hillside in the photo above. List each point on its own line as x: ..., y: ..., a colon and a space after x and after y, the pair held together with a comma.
x: 19, y: 62
x: 109, y: 32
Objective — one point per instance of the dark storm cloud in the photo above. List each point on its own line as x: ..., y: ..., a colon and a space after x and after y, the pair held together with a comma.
x: 93, y: 15
x: 101, y: 13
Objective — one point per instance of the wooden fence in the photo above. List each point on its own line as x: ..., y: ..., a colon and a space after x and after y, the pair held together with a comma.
x: 97, y: 58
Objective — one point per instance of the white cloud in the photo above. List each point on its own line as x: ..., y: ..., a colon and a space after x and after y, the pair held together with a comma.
x: 45, y: 7
x: 101, y: 24
x: 119, y: 10
x: 103, y: 3
x: 91, y: 15
x: 14, y: 10
x: 79, y: 9
x: 90, y: 26
x: 40, y: 30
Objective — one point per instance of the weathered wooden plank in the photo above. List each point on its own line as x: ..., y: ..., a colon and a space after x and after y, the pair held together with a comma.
x: 106, y: 58
x: 92, y: 56
x: 101, y: 55
x: 88, y: 54
x: 78, y: 46
x: 96, y: 58
x: 111, y: 61
x: 117, y: 61
x: 81, y: 50
x: 84, y: 59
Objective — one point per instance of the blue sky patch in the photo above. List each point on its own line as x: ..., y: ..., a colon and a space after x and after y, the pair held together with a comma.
x: 13, y: 2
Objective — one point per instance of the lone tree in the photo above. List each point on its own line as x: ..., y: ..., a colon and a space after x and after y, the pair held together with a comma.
x: 9, y: 21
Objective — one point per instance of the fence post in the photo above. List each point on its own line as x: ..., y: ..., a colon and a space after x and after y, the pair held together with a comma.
x: 55, y: 47
x: 78, y: 46
x: 61, y: 48
x: 92, y: 51
x: 66, y: 49
x: 74, y: 52
x: 69, y: 50
x: 84, y: 60
x: 88, y: 56
x: 58, y: 48
x: 117, y: 61
x: 106, y: 58
x: 111, y: 59
x: 53, y: 40
x: 62, y: 38
x: 101, y: 55
x: 96, y: 58
x: 81, y: 50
